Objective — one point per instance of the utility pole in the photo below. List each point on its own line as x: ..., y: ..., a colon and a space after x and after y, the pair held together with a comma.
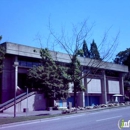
x: 27, y: 103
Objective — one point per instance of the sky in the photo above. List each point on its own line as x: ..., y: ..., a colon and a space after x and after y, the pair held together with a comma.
x: 27, y: 21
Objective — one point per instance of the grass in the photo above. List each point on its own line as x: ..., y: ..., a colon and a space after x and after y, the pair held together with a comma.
x: 7, y: 120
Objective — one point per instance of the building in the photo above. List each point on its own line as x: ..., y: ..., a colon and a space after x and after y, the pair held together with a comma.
x: 99, y: 90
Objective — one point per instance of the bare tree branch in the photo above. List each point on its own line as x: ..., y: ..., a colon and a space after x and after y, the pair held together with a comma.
x: 79, y: 35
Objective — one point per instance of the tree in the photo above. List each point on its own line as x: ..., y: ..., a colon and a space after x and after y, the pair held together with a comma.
x: 94, y: 53
x: 0, y: 38
x: 2, y: 55
x: 123, y: 58
x: 49, y: 78
x: 85, y: 50
x: 75, y: 72
x: 72, y: 45
x: 75, y: 69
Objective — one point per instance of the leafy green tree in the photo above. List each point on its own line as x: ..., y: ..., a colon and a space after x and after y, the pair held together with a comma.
x: 49, y: 78
x: 94, y: 53
x: 123, y: 58
x: 80, y: 52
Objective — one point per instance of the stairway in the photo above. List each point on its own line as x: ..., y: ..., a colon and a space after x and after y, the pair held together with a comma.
x: 19, y: 98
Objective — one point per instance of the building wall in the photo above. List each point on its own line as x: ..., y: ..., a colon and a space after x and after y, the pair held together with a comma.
x: 8, y: 73
x: 33, y: 103
x: 98, y: 88
x: 27, y: 51
x: 93, y: 88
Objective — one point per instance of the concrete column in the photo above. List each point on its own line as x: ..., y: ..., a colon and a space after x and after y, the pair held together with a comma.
x: 6, y: 90
x: 81, y: 95
x: 8, y: 79
x: 104, y: 88
x: 87, y: 94
x: 121, y: 81
x: 81, y: 99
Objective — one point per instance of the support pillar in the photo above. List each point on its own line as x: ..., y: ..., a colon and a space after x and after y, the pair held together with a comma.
x: 81, y: 95
x: 121, y: 80
x: 81, y: 99
x: 104, y: 88
x: 87, y: 94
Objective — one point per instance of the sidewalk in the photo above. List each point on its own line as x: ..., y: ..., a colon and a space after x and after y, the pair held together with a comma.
x: 51, y: 112
x: 36, y: 116
x: 30, y: 113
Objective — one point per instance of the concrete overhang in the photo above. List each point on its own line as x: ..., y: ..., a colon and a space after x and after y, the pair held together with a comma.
x: 33, y: 52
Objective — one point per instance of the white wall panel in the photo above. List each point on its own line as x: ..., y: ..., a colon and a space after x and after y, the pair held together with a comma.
x: 94, y: 86
x: 113, y: 87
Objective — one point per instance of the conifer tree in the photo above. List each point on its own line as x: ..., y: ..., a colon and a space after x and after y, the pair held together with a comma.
x: 94, y: 53
x: 85, y: 50
x: 0, y: 38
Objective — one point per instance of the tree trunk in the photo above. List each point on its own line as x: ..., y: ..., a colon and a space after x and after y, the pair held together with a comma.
x: 75, y: 96
x: 49, y: 102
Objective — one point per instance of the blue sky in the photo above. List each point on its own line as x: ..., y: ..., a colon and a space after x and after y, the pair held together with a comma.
x: 22, y: 21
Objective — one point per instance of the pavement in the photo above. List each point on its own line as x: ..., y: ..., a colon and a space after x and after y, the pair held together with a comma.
x: 46, y: 112
x: 30, y: 113
x: 41, y: 113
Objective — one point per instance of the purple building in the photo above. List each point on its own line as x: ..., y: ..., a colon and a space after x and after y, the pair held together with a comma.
x: 100, y: 89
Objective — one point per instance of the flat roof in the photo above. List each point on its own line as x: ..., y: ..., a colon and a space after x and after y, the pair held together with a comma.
x: 33, y: 52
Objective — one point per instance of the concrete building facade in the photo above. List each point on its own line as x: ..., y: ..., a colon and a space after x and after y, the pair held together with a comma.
x: 99, y: 90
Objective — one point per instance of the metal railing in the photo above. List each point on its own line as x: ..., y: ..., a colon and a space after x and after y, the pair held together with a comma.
x: 10, y: 102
